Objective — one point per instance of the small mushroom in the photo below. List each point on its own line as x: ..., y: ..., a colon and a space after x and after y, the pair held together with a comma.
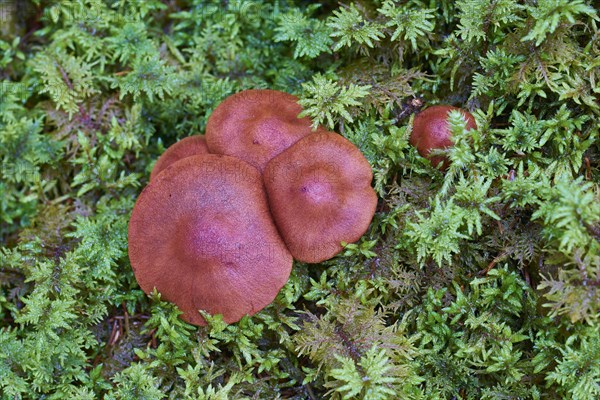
x: 431, y: 131
x: 201, y: 233
x: 320, y: 195
x: 256, y: 125
x: 186, y: 147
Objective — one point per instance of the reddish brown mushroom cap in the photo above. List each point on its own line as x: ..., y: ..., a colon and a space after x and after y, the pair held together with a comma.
x: 431, y: 131
x: 256, y: 125
x: 201, y: 234
x: 320, y: 195
x: 186, y: 147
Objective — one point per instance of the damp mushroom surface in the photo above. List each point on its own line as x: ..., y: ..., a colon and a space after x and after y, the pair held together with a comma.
x: 431, y: 131
x: 186, y: 147
x: 201, y: 234
x: 320, y: 195
x: 256, y: 125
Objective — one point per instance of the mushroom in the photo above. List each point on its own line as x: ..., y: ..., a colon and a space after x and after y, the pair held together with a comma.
x: 320, y: 194
x: 431, y: 131
x: 186, y: 147
x: 202, y: 235
x: 256, y: 125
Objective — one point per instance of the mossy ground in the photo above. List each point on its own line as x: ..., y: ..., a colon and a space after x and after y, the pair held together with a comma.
x: 482, y: 281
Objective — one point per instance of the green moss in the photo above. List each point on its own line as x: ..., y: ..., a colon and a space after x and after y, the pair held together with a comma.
x: 480, y: 282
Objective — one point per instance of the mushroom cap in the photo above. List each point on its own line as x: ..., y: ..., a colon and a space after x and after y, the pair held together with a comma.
x: 431, y: 131
x: 320, y: 195
x: 186, y: 147
x: 256, y: 125
x: 202, y: 235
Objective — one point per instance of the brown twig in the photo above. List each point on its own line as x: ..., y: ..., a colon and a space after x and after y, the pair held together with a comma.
x: 114, y: 334
x: 492, y: 264
x: 126, y: 319
x: 64, y: 75
x: 588, y: 169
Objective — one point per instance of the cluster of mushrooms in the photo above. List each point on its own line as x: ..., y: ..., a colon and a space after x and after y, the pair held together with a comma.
x: 224, y: 215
